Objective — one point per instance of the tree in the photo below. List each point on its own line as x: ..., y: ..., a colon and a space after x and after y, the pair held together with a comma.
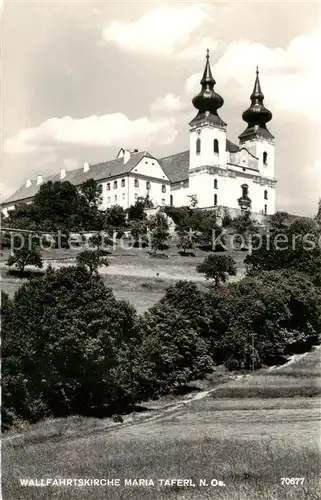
x: 217, y: 268
x: 186, y: 240
x: 296, y: 247
x: 100, y: 239
x: 159, y: 234
x: 138, y: 231
x: 245, y: 228
x: 137, y: 211
x: 92, y: 192
x: 28, y: 255
x: 193, y: 200
x: 279, y: 221
x: 174, y: 350
x: 61, y: 335
x: 91, y: 260
x: 279, y: 310
x: 115, y: 217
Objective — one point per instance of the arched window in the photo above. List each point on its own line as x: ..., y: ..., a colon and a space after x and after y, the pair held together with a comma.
x: 171, y: 200
x: 215, y: 183
x: 215, y: 199
x: 265, y: 209
x: 265, y: 158
x: 265, y: 194
x: 198, y: 146
x: 216, y: 149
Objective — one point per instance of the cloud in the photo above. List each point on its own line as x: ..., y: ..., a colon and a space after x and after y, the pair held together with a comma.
x: 93, y: 131
x: 289, y: 77
x: 198, y: 49
x: 169, y: 103
x: 158, y: 32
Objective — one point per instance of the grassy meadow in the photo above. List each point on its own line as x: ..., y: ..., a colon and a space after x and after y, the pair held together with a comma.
x: 249, y: 443
x: 132, y: 273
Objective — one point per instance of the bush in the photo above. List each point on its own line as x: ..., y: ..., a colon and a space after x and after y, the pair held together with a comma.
x: 28, y: 255
x: 271, y: 314
x: 61, y: 342
x: 175, y: 351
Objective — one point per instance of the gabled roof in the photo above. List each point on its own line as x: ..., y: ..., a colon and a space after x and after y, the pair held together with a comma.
x: 97, y: 172
x: 176, y: 166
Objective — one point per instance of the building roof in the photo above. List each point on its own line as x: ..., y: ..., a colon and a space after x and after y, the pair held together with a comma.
x: 175, y: 167
x: 98, y: 172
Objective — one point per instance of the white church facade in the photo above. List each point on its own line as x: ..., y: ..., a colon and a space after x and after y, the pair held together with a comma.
x: 219, y: 173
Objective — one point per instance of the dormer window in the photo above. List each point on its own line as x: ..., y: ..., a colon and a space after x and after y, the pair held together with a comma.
x: 198, y: 146
x: 265, y: 158
x: 216, y: 147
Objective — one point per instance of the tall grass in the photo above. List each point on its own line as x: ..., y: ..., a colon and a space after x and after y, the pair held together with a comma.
x: 250, y: 471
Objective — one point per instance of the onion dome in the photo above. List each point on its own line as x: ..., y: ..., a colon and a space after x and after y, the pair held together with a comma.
x: 257, y: 115
x: 208, y: 101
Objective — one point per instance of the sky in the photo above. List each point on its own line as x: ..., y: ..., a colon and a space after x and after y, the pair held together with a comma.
x: 80, y: 80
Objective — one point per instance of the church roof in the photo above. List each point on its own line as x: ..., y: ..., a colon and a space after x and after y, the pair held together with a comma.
x: 176, y: 166
x: 98, y: 172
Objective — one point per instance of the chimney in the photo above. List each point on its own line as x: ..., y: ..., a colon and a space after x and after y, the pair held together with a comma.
x: 86, y: 166
x: 62, y: 173
x: 28, y: 183
x: 39, y: 179
x: 126, y: 156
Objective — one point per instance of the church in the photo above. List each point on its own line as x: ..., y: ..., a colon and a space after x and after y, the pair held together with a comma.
x: 216, y: 172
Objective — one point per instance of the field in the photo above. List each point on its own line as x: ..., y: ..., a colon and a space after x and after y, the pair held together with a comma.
x: 249, y: 443
x: 132, y: 274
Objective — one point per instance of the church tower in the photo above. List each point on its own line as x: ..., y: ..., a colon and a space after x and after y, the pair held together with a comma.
x: 256, y: 138
x: 207, y: 139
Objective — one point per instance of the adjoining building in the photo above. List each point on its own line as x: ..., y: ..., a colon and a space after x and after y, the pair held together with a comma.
x: 220, y: 174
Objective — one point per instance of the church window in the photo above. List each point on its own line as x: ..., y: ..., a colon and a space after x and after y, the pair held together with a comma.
x: 123, y: 183
x: 265, y: 194
x: 163, y: 188
x: 136, y: 183
x: 115, y: 184
x: 216, y: 149
x: 198, y: 146
x: 108, y: 186
x: 215, y: 199
x: 215, y: 184
x: 265, y: 158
